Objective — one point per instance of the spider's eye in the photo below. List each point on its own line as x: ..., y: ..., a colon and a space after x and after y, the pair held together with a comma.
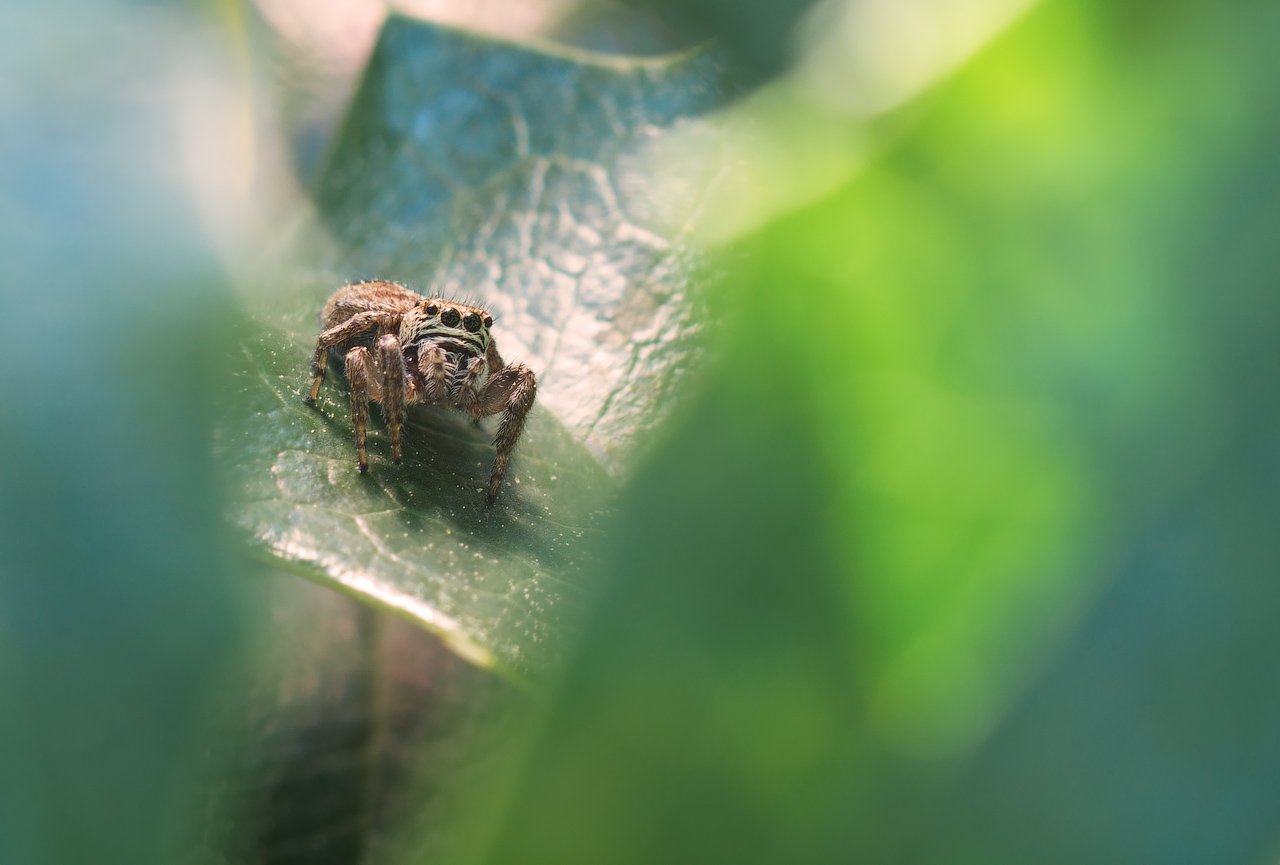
x: 432, y: 309
x: 450, y: 318
x: 488, y: 321
x: 471, y: 322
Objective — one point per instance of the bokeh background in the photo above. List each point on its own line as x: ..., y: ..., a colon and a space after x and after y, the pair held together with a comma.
x: 959, y: 546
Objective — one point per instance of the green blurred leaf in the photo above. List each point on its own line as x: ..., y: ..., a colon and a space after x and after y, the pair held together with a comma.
x: 491, y: 171
x: 969, y: 565
x: 115, y: 608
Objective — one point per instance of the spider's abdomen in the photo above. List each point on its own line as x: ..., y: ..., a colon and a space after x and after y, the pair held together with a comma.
x: 374, y: 296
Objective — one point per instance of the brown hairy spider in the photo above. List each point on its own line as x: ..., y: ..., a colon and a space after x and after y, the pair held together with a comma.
x: 400, y: 348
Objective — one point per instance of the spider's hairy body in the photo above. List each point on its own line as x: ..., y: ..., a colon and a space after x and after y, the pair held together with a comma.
x: 399, y: 347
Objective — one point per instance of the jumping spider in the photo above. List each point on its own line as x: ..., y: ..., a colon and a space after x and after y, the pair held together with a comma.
x: 400, y: 348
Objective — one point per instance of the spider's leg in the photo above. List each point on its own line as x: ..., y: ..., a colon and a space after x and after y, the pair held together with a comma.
x: 361, y: 322
x: 364, y: 387
x: 511, y: 391
x: 390, y: 363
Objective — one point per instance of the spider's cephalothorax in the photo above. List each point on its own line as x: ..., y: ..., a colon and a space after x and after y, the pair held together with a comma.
x: 400, y: 348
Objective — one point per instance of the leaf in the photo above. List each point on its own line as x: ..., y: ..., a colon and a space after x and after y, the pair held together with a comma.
x: 349, y: 722
x: 516, y: 177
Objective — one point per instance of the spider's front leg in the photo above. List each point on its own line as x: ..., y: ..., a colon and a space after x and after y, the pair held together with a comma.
x: 511, y: 391
x: 390, y: 363
x: 361, y: 322
x: 364, y: 387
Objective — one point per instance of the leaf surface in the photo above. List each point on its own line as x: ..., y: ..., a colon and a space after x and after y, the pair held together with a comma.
x: 514, y: 177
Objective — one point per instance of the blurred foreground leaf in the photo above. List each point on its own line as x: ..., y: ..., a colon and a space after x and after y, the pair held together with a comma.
x: 485, y: 170
x: 981, y: 575
x: 116, y: 611
x: 350, y: 723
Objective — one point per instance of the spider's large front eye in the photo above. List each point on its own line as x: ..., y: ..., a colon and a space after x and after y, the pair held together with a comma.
x: 450, y: 318
x: 471, y: 322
